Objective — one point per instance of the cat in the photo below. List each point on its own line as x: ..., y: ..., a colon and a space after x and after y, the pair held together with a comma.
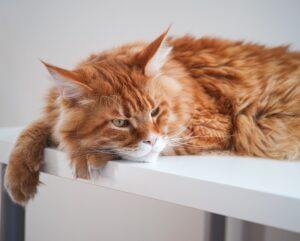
x: 173, y: 96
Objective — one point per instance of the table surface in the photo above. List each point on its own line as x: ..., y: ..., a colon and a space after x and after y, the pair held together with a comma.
x: 252, y: 189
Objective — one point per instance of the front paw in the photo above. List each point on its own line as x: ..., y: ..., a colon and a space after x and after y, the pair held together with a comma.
x: 80, y: 169
x: 20, y: 182
x: 90, y: 166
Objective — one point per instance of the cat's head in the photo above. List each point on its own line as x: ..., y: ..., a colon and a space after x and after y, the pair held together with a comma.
x: 125, y: 101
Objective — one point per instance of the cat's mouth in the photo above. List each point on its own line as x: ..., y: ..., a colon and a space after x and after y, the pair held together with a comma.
x: 144, y: 152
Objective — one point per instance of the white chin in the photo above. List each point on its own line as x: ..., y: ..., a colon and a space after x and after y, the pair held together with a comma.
x: 150, y: 157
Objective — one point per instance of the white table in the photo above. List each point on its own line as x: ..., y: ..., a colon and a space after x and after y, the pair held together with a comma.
x: 257, y: 190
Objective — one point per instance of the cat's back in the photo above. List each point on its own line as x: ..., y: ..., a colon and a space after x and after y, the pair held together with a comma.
x: 237, y: 69
x: 195, y: 53
x: 261, y: 84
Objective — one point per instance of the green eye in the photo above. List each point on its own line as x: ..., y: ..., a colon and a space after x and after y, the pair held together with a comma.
x: 120, y: 122
x: 155, y: 112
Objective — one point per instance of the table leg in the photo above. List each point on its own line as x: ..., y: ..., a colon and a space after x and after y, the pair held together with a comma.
x: 217, y: 227
x: 12, y: 216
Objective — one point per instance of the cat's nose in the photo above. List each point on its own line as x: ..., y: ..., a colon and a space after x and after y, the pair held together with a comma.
x: 151, y: 140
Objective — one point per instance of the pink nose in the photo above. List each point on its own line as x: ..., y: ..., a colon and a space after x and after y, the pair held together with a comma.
x: 151, y: 140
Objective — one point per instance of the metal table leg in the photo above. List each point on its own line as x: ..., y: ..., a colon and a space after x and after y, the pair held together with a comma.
x: 217, y: 227
x: 12, y: 216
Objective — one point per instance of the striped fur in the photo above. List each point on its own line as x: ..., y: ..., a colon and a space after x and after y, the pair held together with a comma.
x: 212, y: 94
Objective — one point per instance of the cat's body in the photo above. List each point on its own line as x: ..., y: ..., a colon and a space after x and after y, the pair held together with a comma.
x: 140, y: 100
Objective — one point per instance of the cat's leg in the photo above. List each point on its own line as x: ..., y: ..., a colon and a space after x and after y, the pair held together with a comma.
x: 22, y: 173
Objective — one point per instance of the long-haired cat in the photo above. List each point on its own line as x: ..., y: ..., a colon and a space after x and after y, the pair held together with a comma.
x: 174, y: 96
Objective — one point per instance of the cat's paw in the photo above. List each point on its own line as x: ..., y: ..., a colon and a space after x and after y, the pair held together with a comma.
x: 90, y: 166
x: 81, y: 171
x: 95, y: 172
x: 79, y: 164
x: 20, y: 183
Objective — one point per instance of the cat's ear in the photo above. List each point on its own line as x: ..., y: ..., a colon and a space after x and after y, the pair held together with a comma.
x: 68, y: 82
x: 153, y: 57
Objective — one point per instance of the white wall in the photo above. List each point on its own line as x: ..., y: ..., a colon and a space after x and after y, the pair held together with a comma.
x: 64, y: 31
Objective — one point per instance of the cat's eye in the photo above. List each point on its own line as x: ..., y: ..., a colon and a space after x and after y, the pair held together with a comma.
x: 155, y: 112
x: 120, y: 122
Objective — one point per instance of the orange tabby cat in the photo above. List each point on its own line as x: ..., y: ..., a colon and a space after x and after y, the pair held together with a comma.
x: 173, y: 96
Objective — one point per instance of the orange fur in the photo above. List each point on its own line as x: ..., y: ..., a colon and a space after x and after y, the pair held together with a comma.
x: 213, y: 95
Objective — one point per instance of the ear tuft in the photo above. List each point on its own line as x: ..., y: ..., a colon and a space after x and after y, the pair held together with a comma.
x: 68, y: 82
x: 155, y: 64
x: 154, y: 56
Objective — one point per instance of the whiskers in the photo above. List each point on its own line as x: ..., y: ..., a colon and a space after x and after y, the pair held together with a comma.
x: 111, y: 150
x: 101, y: 150
x: 185, y: 143
x: 187, y: 140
